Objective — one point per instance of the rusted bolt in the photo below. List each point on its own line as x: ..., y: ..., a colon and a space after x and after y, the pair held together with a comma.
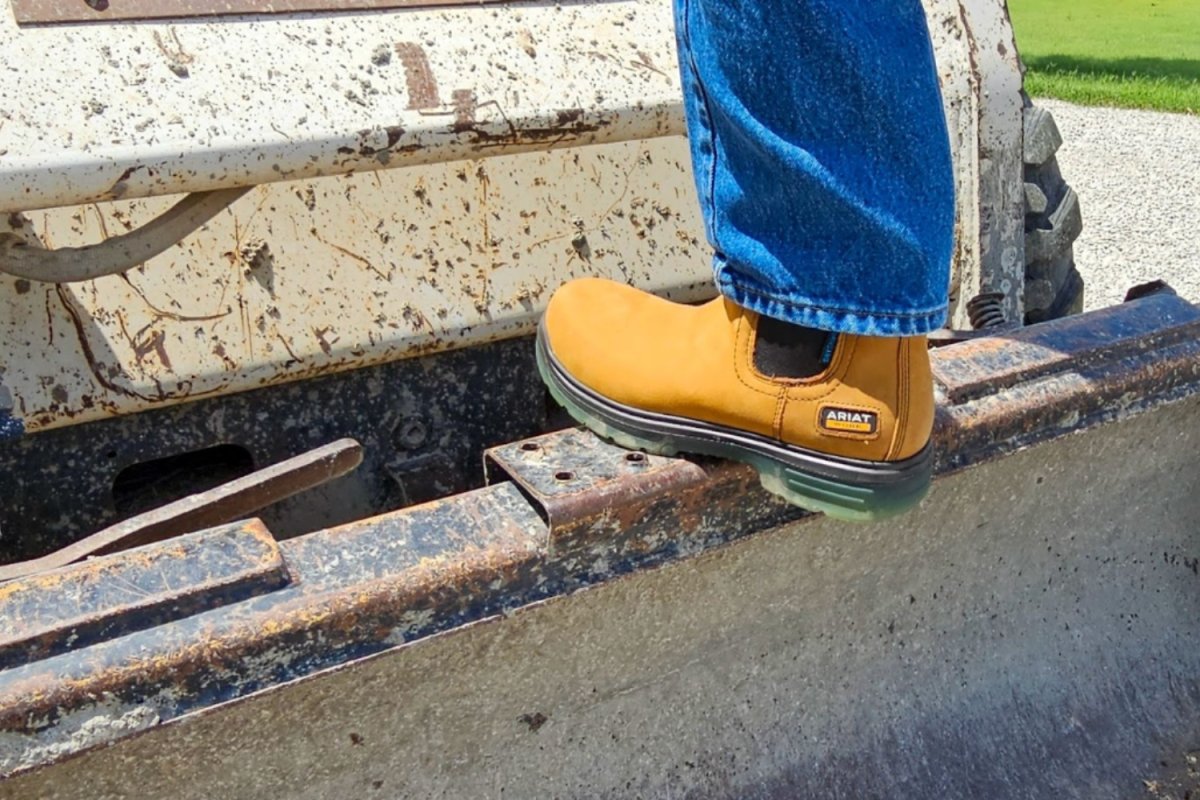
x: 531, y: 447
x: 636, y: 458
x: 410, y: 434
x: 564, y: 475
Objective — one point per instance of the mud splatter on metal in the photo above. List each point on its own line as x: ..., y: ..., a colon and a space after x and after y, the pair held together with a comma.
x: 307, y: 279
x: 49, y: 11
x: 169, y: 130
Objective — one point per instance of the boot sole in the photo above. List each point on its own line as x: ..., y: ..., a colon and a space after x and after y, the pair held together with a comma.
x: 842, y: 488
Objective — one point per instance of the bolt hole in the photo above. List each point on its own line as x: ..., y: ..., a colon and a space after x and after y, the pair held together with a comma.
x: 635, y: 458
x: 564, y: 475
x: 530, y: 447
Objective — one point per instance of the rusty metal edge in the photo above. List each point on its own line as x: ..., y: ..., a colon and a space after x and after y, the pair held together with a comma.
x: 256, y: 643
x: 256, y: 567
x: 43, y: 12
x: 229, y: 501
x: 1114, y: 365
x: 990, y: 364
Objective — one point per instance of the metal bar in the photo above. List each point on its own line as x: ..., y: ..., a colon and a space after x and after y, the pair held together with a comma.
x: 51, y: 11
x: 988, y: 365
x: 355, y: 590
x: 80, y: 605
x: 227, y: 501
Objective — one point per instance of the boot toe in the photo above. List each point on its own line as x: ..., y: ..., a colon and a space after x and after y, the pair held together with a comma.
x: 591, y: 326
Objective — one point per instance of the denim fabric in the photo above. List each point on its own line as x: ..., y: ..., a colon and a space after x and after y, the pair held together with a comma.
x: 821, y: 159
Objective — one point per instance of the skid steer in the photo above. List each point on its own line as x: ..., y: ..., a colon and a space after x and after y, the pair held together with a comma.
x: 287, y: 511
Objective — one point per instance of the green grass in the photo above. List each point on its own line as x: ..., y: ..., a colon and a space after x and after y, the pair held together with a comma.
x: 1128, y: 53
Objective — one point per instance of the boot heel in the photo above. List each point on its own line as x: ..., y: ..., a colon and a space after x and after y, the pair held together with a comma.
x: 841, y: 500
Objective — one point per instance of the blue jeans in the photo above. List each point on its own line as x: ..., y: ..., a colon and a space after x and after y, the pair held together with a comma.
x: 821, y: 159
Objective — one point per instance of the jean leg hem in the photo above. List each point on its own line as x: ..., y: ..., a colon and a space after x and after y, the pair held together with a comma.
x: 811, y: 314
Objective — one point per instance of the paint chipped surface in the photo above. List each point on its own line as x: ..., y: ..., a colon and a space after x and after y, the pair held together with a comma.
x: 74, y: 731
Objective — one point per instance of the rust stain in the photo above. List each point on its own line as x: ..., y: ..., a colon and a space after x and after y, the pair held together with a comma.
x: 174, y: 52
x: 351, y: 254
x: 173, y: 315
x: 143, y: 347
x: 464, y: 109
x: 103, y: 372
x: 422, y: 86
x: 644, y: 61
x: 393, y: 134
x: 295, y: 358
x: 119, y: 187
x: 97, y: 367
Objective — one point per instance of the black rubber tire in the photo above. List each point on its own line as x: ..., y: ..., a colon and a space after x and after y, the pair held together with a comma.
x: 1053, y: 286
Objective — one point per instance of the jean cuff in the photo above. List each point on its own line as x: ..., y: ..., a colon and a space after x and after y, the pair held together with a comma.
x: 801, y: 311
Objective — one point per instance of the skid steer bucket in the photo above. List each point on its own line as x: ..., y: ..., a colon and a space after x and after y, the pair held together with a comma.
x: 1032, y: 630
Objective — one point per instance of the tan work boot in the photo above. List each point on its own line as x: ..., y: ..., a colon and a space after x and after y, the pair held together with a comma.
x: 851, y: 440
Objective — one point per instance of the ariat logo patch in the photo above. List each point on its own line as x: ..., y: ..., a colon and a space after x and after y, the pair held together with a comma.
x: 849, y: 420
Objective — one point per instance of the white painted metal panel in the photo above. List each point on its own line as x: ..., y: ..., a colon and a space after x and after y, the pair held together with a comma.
x: 307, y: 278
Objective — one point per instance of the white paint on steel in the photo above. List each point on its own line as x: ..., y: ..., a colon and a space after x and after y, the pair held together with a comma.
x: 307, y: 278
x: 106, y: 111
x: 1001, y: 184
x: 960, y: 93
x: 981, y: 87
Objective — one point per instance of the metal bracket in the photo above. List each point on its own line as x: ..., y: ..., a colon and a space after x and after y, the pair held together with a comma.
x: 614, y: 507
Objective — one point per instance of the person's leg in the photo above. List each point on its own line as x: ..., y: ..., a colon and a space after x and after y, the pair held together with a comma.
x: 821, y: 159
x: 822, y: 164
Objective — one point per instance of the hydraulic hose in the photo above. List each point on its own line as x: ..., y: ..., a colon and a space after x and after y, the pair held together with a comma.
x: 118, y: 254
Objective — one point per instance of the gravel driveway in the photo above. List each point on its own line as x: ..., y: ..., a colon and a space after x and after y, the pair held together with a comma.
x: 1137, y: 174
